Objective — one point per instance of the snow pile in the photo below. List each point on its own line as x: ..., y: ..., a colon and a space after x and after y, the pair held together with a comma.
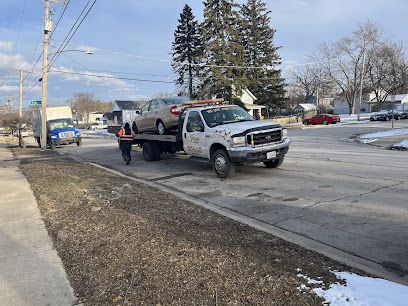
x: 370, y: 137
x: 359, y: 291
x: 347, y: 117
x: 97, y: 132
x: 401, y: 145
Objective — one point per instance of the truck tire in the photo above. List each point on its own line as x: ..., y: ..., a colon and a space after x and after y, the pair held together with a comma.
x: 151, y: 151
x: 222, y: 164
x: 274, y: 163
x: 79, y: 142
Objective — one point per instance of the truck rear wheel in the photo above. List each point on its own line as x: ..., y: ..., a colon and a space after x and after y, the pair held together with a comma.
x: 151, y: 151
x: 79, y: 142
x: 274, y: 163
x: 222, y: 164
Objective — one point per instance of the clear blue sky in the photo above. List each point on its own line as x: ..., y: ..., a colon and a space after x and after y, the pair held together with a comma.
x: 134, y: 36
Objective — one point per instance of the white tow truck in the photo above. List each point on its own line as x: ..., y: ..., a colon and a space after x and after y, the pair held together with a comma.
x: 225, y: 135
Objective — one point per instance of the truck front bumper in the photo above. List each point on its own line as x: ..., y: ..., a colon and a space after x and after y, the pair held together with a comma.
x: 258, y: 154
x: 64, y: 141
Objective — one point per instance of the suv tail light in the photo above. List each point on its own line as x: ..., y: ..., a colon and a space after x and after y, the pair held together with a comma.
x: 175, y: 111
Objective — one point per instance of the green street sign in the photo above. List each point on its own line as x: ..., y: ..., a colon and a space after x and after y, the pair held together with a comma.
x: 36, y: 102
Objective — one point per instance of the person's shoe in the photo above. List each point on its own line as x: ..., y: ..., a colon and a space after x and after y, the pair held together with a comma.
x: 128, y: 162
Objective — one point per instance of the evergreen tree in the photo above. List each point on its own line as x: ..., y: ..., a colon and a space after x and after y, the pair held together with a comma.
x: 223, y: 50
x: 257, y: 38
x: 187, y: 52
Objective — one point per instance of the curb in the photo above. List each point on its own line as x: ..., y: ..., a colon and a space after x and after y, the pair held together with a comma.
x: 353, y: 261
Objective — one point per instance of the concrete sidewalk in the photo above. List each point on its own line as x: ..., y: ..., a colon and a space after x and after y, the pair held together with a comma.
x: 31, y: 272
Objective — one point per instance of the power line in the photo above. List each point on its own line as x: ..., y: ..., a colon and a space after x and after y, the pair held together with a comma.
x: 65, y: 40
x: 111, y: 77
x: 68, y: 37
x: 60, y: 17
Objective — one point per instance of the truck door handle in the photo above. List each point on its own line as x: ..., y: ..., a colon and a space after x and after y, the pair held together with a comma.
x: 185, y: 135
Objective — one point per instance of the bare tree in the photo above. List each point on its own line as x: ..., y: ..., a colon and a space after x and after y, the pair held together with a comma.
x: 387, y: 71
x: 84, y: 103
x: 342, y: 61
x: 310, y: 80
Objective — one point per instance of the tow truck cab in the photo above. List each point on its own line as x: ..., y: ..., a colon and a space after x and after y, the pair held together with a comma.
x: 228, y: 136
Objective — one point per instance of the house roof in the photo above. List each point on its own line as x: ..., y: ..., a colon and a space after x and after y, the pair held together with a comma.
x: 308, y: 106
x: 129, y: 105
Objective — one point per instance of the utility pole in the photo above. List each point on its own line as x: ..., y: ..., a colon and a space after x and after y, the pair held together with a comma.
x: 20, y: 138
x: 47, y: 29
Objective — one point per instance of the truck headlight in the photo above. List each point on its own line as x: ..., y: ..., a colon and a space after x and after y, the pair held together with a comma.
x: 284, y: 133
x: 238, y: 141
x: 53, y: 136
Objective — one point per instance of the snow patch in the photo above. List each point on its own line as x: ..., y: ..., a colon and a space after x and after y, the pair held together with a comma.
x: 359, y: 291
x: 402, y: 145
x: 383, y: 134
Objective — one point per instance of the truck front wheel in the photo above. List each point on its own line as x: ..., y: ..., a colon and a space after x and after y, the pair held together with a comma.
x: 222, y: 164
x: 79, y: 142
x: 274, y: 163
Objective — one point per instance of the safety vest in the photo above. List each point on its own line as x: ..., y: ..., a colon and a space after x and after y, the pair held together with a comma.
x: 125, y: 137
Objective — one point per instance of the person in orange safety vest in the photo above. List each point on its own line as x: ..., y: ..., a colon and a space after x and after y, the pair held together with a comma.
x: 126, y: 136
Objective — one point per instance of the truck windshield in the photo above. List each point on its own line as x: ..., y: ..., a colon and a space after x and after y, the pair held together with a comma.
x: 224, y: 115
x: 60, y: 123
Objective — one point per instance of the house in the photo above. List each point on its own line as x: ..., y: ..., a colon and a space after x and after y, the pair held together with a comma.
x: 94, y: 117
x: 248, y: 99
x: 308, y: 110
x: 124, y: 111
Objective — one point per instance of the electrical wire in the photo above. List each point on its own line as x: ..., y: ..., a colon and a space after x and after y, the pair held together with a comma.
x: 111, y: 77
x: 52, y: 61
x: 52, y: 33
x: 60, y: 17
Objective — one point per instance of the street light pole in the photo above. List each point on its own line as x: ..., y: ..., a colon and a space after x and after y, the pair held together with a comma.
x: 47, y: 29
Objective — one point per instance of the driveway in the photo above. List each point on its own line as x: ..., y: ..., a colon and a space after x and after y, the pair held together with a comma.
x: 349, y: 196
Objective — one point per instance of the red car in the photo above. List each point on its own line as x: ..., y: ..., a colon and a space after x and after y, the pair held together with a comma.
x: 322, y: 119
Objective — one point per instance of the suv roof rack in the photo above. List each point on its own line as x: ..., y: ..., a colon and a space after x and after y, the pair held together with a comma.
x: 205, y: 102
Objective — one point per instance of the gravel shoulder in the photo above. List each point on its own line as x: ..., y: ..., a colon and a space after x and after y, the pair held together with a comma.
x: 125, y: 243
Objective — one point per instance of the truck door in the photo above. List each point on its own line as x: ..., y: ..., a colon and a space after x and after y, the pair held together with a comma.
x: 194, y: 135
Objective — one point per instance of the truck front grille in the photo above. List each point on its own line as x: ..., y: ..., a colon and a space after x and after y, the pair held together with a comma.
x: 69, y: 134
x: 261, y: 139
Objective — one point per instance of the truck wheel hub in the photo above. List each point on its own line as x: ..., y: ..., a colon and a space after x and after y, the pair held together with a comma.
x: 220, y: 164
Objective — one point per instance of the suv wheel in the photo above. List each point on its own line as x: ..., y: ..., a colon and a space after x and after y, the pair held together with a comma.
x: 160, y: 128
x: 222, y: 164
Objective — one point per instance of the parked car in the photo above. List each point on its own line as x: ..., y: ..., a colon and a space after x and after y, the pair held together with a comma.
x: 404, y: 114
x: 160, y: 115
x: 386, y: 115
x: 322, y: 119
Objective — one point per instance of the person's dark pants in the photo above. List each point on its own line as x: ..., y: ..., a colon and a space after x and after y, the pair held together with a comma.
x: 126, y: 147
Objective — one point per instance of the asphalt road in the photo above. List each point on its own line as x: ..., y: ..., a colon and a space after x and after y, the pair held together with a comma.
x: 346, y: 195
